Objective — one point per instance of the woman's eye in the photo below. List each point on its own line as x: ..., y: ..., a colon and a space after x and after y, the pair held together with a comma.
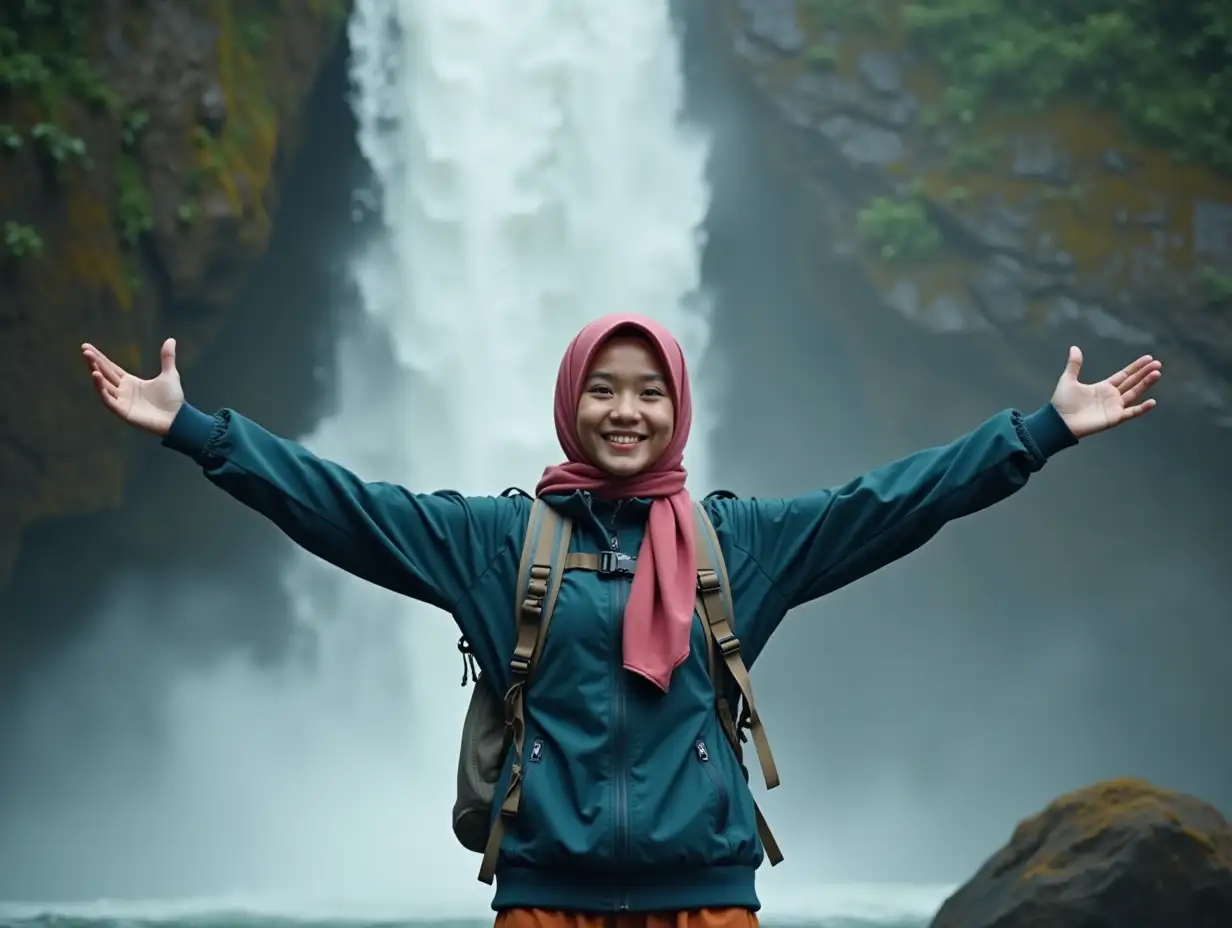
x: 600, y: 390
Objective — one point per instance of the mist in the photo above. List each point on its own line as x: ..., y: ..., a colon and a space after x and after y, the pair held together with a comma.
x: 1079, y: 630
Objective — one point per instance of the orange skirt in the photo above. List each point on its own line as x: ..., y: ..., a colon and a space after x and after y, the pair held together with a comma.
x: 696, y: 918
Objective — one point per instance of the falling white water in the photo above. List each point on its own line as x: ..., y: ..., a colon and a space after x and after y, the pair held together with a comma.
x: 533, y: 173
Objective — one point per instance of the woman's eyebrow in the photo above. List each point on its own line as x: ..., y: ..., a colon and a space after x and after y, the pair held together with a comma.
x: 608, y: 375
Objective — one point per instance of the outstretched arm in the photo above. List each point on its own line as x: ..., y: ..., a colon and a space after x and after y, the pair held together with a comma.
x: 430, y: 547
x: 815, y: 543
x: 810, y: 545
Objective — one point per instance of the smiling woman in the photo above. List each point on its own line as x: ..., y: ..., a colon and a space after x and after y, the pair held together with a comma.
x: 634, y: 774
x: 626, y: 417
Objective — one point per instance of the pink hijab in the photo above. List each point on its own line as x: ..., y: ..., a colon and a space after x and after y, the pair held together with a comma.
x: 659, y: 616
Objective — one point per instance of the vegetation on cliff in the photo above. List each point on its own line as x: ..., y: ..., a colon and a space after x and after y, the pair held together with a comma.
x: 139, y: 146
x: 49, y: 83
x: 1135, y: 95
x: 1165, y: 69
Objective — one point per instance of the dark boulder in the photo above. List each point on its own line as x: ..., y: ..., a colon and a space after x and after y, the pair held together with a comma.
x: 1118, y: 854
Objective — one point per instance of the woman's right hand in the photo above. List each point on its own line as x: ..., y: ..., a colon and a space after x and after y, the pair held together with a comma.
x: 148, y: 404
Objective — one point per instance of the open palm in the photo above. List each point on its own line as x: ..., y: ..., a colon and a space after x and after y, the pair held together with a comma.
x: 1088, y: 408
x: 148, y: 404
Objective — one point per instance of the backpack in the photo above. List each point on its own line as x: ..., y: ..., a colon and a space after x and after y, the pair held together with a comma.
x: 494, y: 722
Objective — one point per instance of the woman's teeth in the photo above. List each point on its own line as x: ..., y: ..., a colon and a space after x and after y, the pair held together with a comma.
x: 623, y: 439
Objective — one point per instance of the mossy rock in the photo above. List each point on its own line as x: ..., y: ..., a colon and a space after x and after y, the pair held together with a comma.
x: 997, y: 165
x: 140, y: 148
x: 1119, y: 852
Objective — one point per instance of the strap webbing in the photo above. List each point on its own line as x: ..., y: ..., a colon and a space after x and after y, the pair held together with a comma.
x: 547, y: 541
x: 714, y: 602
x: 714, y: 605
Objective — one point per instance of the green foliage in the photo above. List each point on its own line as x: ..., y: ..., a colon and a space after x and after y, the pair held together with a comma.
x: 256, y: 34
x: 821, y: 56
x: 974, y: 153
x: 1216, y: 285
x: 58, y: 144
x: 899, y: 229
x: 210, y: 154
x: 21, y: 241
x: 336, y: 11
x: 20, y: 69
x: 1166, y: 68
x: 134, y: 214
x: 131, y: 128
x: 43, y: 56
x: 857, y: 14
x: 42, y: 52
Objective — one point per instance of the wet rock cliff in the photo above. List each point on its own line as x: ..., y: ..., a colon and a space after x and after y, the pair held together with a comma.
x: 1045, y: 171
x: 141, y: 146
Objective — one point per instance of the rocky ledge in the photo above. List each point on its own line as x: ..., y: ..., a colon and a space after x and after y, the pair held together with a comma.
x: 140, y: 146
x: 978, y: 187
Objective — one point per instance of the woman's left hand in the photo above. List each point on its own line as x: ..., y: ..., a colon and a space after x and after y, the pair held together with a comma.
x: 1088, y: 408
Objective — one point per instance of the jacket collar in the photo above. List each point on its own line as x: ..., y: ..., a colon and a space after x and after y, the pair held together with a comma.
x: 599, y: 516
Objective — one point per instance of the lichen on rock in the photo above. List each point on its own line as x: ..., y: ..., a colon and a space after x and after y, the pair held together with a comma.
x: 140, y: 146
x: 1025, y: 167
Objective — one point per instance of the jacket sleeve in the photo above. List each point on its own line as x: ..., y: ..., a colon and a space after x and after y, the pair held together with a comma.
x: 813, y: 544
x: 428, y: 546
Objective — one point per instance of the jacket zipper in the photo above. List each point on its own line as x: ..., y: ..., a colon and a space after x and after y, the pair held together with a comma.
x: 621, y: 836
x: 716, y: 779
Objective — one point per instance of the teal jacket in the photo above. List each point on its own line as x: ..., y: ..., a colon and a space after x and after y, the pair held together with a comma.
x: 620, y: 810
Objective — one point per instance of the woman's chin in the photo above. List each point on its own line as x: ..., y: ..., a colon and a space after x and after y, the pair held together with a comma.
x: 623, y: 469
x: 623, y: 466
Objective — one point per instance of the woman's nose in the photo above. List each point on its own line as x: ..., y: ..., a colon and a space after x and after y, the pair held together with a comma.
x: 626, y: 407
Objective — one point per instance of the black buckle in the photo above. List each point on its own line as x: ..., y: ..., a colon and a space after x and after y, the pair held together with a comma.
x: 519, y: 666
x: 612, y: 563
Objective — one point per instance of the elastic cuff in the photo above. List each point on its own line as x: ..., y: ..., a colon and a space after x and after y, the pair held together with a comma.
x: 189, y: 432
x: 1049, y: 431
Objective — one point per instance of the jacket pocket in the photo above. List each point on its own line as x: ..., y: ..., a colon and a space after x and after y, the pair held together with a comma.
x: 709, y: 764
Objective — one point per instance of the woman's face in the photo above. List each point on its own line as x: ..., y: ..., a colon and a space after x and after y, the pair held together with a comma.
x: 626, y: 416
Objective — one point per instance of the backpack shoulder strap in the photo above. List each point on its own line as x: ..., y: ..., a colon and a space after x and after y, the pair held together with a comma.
x: 714, y: 590
x: 540, y: 571
x: 716, y: 606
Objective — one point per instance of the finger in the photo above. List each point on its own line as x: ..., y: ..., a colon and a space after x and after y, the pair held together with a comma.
x: 1073, y: 365
x: 1141, y: 409
x: 109, y: 368
x: 1129, y: 370
x: 1137, y: 376
x: 167, y: 356
x: 88, y: 357
x: 107, y: 392
x: 1145, y: 382
x: 103, y: 385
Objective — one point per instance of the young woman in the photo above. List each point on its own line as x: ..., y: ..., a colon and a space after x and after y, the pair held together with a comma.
x: 621, y: 813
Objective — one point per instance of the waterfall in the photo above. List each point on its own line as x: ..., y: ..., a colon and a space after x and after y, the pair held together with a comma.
x: 532, y: 172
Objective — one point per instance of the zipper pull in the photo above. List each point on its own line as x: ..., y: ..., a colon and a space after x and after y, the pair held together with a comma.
x: 612, y: 522
x: 536, y: 751
x: 702, y: 754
